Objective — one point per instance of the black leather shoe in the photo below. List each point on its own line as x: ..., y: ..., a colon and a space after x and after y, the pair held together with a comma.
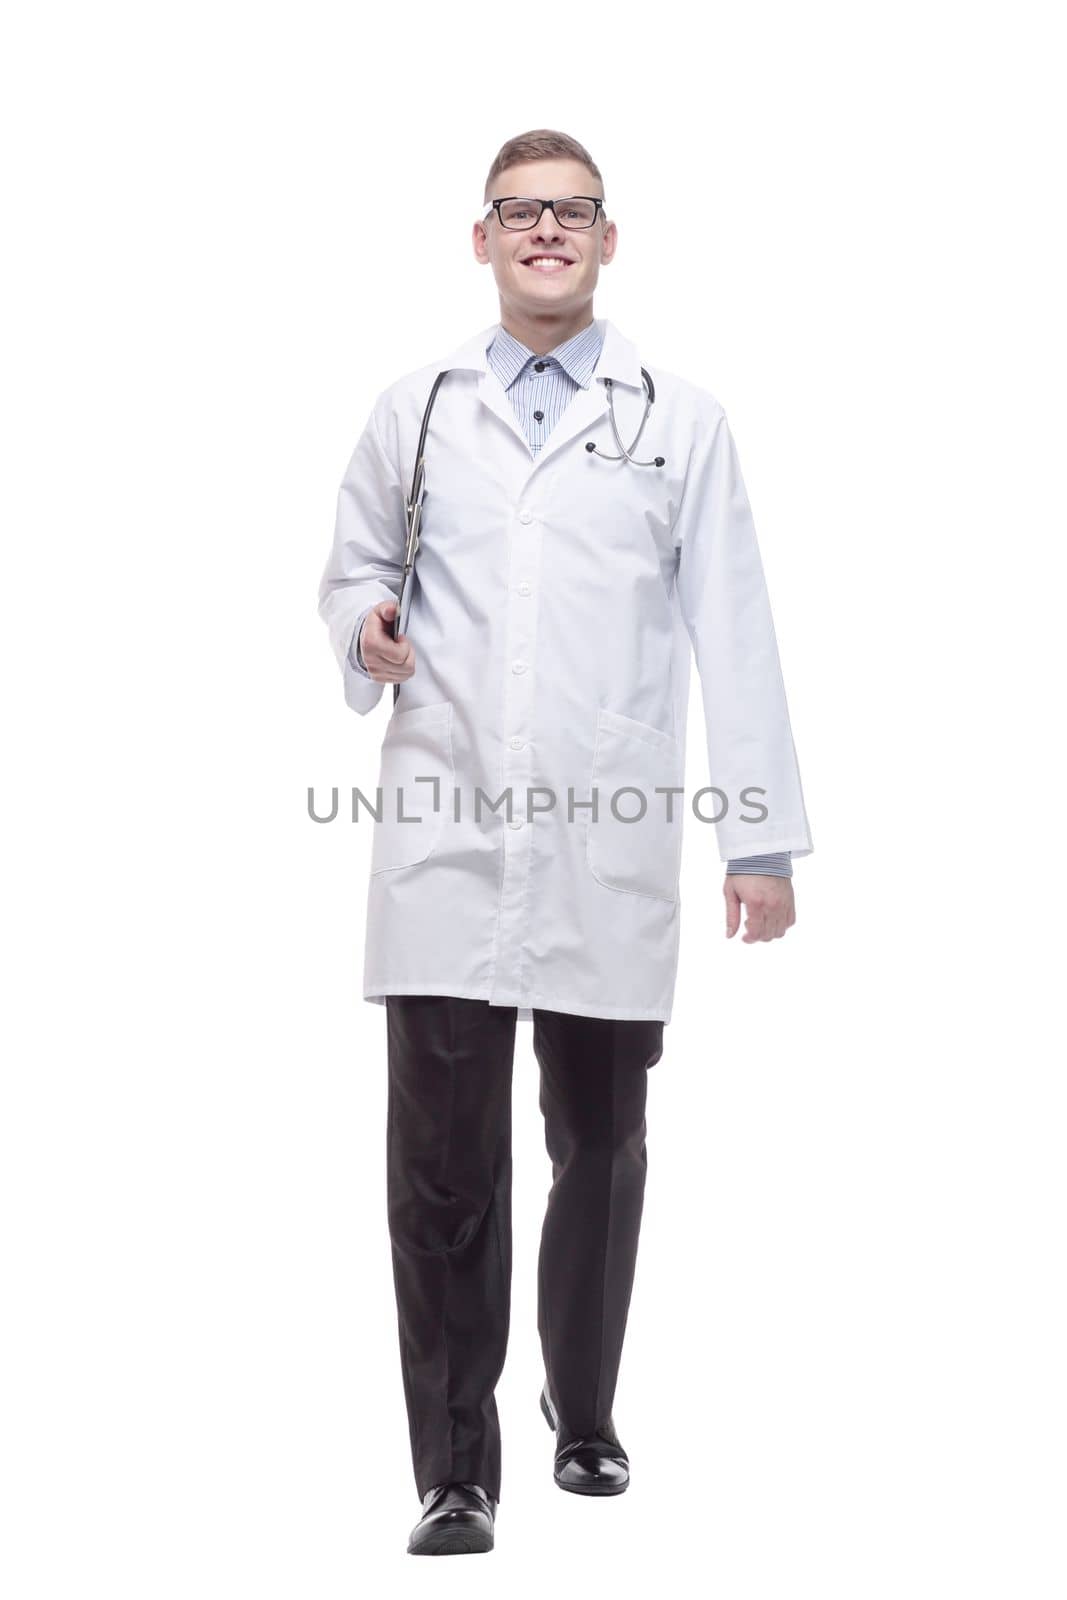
x: 457, y: 1520
x: 594, y: 1465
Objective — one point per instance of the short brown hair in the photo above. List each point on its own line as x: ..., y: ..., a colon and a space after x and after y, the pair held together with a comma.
x: 540, y: 144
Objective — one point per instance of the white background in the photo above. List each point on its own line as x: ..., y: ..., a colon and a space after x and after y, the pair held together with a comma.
x: 228, y: 228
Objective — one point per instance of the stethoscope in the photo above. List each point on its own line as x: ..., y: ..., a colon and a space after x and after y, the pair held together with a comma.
x: 650, y: 392
x: 418, y: 488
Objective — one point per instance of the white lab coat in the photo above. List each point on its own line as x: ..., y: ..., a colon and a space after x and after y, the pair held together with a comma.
x: 558, y: 601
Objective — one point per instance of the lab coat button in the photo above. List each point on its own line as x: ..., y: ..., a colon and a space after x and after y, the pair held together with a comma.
x: 524, y: 587
x: 516, y: 822
x: 518, y: 666
x: 517, y: 744
x: 525, y: 516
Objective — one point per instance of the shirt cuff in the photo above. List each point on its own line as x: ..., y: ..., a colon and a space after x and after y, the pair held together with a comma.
x: 775, y: 864
x: 355, y: 654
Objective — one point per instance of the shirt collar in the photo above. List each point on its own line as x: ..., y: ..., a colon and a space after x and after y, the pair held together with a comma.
x: 578, y: 355
x: 617, y: 358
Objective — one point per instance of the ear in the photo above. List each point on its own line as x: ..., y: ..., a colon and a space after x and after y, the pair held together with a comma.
x: 480, y: 241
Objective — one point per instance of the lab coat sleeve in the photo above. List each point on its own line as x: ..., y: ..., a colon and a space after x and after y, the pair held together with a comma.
x: 724, y: 604
x: 366, y: 561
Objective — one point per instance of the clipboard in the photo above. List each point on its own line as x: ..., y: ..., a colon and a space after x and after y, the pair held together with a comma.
x: 411, y: 548
x: 414, y: 517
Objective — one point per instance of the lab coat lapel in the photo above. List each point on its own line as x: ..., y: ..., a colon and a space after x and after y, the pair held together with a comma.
x: 491, y: 393
x: 471, y: 356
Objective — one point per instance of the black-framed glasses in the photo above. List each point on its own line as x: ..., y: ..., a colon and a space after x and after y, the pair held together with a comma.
x: 521, y: 211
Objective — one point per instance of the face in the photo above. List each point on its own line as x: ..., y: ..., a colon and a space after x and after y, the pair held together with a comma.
x: 560, y: 288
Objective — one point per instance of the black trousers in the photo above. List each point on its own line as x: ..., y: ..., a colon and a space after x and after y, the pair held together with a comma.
x: 449, y: 1207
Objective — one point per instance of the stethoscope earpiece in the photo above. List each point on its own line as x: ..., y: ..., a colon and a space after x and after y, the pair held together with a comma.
x: 659, y: 461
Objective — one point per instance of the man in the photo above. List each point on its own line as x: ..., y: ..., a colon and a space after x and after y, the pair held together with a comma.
x: 525, y: 865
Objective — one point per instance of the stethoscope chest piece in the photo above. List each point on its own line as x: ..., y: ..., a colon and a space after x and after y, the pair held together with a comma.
x: 650, y: 395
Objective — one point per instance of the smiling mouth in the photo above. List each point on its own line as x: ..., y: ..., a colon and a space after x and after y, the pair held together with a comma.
x: 547, y: 264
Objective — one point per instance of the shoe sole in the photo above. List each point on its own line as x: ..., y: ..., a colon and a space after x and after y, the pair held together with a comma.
x: 572, y: 1488
x: 468, y: 1543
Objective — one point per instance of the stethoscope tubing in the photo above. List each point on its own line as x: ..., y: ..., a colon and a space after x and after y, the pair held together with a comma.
x: 625, y: 454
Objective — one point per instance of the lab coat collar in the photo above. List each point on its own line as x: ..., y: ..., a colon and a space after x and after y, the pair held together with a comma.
x: 618, y: 356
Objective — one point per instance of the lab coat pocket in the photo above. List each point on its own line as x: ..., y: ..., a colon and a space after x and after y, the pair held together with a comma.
x: 632, y: 847
x: 416, y: 750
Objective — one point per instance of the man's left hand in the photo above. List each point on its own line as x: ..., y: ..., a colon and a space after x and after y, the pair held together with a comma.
x: 768, y: 902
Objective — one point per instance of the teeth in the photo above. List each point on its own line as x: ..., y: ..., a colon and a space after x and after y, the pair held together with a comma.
x: 536, y: 261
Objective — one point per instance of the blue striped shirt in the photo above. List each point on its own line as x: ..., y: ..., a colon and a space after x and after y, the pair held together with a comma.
x: 540, y: 389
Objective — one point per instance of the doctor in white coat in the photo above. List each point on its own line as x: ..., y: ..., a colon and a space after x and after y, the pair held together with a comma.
x: 526, y: 861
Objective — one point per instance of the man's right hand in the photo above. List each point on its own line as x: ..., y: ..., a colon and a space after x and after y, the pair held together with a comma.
x: 388, y: 660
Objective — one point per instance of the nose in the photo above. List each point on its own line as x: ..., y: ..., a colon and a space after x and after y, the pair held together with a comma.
x: 548, y: 227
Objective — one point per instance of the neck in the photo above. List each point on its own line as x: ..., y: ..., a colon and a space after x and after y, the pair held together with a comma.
x: 543, y: 331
